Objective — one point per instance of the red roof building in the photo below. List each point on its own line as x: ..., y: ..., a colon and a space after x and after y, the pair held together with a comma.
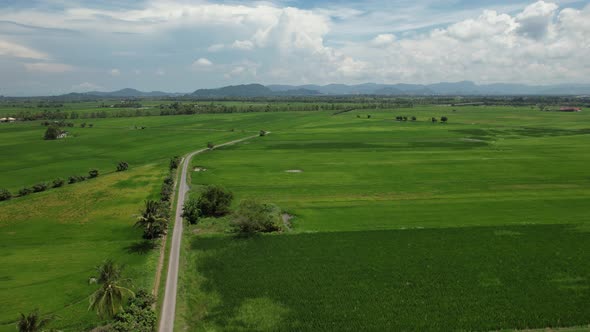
x: 570, y: 109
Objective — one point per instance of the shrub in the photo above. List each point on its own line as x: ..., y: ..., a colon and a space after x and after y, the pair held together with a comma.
x: 434, y: 120
x: 76, y: 178
x: 83, y: 124
x: 5, y: 195
x: 444, y: 119
x: 40, y: 187
x: 413, y: 118
x: 210, y: 145
x: 25, y: 191
x: 93, y: 173
x: 122, y: 166
x: 254, y: 217
x: 52, y: 132
x: 262, y: 133
x: 175, y: 162
x: 368, y: 116
x: 138, y: 316
x: 214, y: 201
x: 190, y: 211
x: 58, y: 183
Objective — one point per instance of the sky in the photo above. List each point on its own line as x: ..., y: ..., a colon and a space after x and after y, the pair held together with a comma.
x: 52, y: 47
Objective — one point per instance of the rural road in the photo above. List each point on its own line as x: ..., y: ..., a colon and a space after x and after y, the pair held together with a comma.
x: 169, y: 305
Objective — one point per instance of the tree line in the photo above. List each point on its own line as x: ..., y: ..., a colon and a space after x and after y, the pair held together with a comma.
x: 5, y: 194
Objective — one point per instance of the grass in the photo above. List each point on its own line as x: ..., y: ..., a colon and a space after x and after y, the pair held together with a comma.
x: 52, y: 241
x: 481, y: 278
x: 502, y: 195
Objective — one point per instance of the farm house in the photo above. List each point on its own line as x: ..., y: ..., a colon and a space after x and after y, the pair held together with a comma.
x: 570, y: 109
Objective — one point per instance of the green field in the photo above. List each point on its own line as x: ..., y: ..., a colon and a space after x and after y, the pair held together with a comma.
x: 478, y: 224
x: 482, y: 223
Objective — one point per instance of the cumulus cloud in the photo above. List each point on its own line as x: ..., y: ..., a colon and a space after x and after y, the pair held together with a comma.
x: 536, y: 19
x: 538, y: 43
x: 47, y: 67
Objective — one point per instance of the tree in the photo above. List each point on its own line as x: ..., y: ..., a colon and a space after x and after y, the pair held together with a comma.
x: 152, y: 220
x: 58, y: 182
x: 368, y: 116
x: 444, y: 119
x: 190, y: 211
x: 32, y: 322
x: 214, y: 201
x: 434, y: 120
x: 109, y: 298
x: 93, y: 173
x: 122, y: 166
x: 52, y: 132
x: 210, y: 145
x: 253, y: 217
x: 262, y: 133
x: 5, y: 195
x: 413, y: 118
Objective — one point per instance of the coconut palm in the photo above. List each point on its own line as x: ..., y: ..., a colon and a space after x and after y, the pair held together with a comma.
x: 151, y: 220
x: 109, y: 298
x: 33, y: 322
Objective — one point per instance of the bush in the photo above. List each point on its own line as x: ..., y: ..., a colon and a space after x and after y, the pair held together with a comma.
x: 190, y: 211
x: 434, y: 120
x: 58, y: 182
x: 175, y: 162
x: 93, y: 173
x: 76, y: 178
x: 83, y: 124
x: 210, y: 145
x: 413, y: 118
x: 262, y: 133
x: 52, y: 132
x: 214, y: 201
x: 39, y: 187
x: 138, y: 316
x: 444, y: 119
x: 25, y: 191
x: 5, y: 195
x: 254, y: 217
x: 122, y: 166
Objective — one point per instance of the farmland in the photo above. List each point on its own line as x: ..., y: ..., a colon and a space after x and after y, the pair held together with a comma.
x: 481, y: 223
x: 478, y: 224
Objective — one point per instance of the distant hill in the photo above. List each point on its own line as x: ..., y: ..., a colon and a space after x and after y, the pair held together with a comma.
x: 463, y: 88
x: 129, y: 93
x: 252, y: 90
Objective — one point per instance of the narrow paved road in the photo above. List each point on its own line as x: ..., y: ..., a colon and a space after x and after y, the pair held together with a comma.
x: 169, y: 305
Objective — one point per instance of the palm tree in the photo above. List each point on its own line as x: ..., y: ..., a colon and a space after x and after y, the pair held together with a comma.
x: 151, y: 220
x: 33, y: 322
x: 110, y: 297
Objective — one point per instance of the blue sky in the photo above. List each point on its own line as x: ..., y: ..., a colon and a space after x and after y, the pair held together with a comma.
x: 59, y: 46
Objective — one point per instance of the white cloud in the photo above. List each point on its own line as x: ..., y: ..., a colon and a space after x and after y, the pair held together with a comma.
x: 115, y: 72
x: 19, y: 51
x: 215, y: 47
x: 383, y: 39
x: 535, y: 19
x: 202, y: 62
x: 47, y: 67
x: 160, y: 72
x: 244, y: 45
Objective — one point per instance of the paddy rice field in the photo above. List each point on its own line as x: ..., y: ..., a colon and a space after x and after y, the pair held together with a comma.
x: 482, y: 223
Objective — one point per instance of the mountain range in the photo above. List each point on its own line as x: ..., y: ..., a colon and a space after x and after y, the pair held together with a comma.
x: 464, y: 88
